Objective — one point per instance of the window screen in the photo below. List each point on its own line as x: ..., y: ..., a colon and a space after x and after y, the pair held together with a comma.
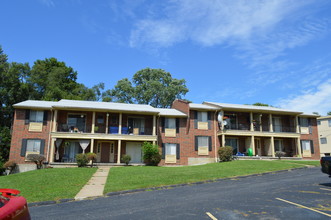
x: 203, y: 116
x: 170, y: 123
x: 36, y: 116
x: 323, y: 141
x: 203, y: 142
x: 33, y: 145
x: 170, y: 149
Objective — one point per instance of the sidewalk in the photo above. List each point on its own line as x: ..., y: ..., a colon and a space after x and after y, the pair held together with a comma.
x: 95, y: 185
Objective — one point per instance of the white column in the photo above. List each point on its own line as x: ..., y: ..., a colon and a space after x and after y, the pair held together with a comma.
x: 92, y: 146
x: 107, y: 119
x: 271, y: 128
x: 119, y: 152
x: 298, y: 147
x: 54, y: 121
x: 253, y: 145
x: 251, y: 120
x: 223, y: 140
x: 272, y: 143
x: 93, y: 122
x: 120, y: 124
x: 51, y: 158
x: 154, y: 125
x: 297, y: 129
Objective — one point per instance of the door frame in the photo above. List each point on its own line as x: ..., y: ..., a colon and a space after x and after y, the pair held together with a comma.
x: 111, y: 151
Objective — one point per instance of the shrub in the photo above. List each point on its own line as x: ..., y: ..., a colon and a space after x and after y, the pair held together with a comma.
x: 10, y: 166
x: 151, y: 154
x: 280, y: 154
x: 81, y: 160
x: 2, y: 169
x: 225, y: 153
x: 91, y: 157
x: 37, y: 159
x: 126, y: 159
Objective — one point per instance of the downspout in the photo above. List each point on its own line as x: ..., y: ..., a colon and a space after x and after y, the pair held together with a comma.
x: 215, y: 133
x: 49, y: 136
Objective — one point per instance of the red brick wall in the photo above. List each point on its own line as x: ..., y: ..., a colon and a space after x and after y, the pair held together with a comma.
x: 21, y: 131
x: 187, y: 140
x: 314, y: 137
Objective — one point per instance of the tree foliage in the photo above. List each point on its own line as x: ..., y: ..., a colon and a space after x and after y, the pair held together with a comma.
x: 155, y: 87
x: 48, y: 79
x: 329, y: 113
x: 261, y: 104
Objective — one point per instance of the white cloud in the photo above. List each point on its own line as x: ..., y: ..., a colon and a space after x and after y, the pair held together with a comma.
x: 212, y: 22
x: 312, y: 100
x: 48, y: 3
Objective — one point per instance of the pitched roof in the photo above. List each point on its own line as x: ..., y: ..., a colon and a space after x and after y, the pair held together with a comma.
x: 35, y: 104
x: 171, y: 112
x: 202, y: 107
x: 76, y: 104
x: 250, y: 107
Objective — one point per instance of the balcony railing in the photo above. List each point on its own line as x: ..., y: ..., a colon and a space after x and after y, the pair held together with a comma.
x: 278, y: 128
x: 101, y: 129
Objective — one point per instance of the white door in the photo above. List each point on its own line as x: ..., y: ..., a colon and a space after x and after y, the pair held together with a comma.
x: 111, y: 152
x: 134, y: 150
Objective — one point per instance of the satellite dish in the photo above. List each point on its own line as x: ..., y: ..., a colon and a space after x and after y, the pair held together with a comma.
x: 220, y: 117
x: 225, y: 123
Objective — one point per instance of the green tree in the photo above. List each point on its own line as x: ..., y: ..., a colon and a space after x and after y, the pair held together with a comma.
x: 261, y: 104
x: 54, y: 80
x: 155, y: 87
x: 13, y: 88
x: 329, y: 113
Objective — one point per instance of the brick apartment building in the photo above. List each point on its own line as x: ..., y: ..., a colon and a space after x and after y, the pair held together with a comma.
x: 187, y: 133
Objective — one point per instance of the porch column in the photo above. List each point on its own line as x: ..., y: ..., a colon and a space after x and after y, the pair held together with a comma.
x: 54, y: 121
x: 93, y: 122
x: 51, y: 156
x: 271, y: 128
x: 154, y: 125
x: 120, y: 124
x: 107, y: 118
x: 251, y: 121
x: 297, y: 129
x: 253, y: 145
x: 223, y: 140
x: 92, y: 146
x: 272, y: 147
x: 298, y: 147
x: 119, y: 152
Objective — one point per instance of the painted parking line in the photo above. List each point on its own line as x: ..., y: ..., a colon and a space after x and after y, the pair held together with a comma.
x: 325, y: 189
x: 305, y: 207
x: 211, y: 216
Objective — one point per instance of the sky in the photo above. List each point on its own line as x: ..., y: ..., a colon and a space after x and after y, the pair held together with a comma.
x: 276, y: 52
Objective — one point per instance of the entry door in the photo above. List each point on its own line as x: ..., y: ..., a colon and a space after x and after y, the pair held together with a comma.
x: 258, y: 147
x: 134, y: 150
x: 105, y: 151
x: 111, y: 152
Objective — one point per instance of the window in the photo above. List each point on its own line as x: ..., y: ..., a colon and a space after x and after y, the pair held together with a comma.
x: 318, y: 122
x: 76, y: 122
x: 36, y: 116
x: 307, y: 148
x: 203, y: 145
x: 279, y: 145
x: 202, y: 117
x: 329, y: 121
x: 170, y: 123
x: 232, y: 142
x: 136, y: 126
x: 304, y: 122
x: 171, y: 152
x: 323, y: 141
x: 33, y: 146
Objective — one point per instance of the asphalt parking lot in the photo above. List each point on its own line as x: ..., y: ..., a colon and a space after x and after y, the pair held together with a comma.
x: 296, y: 194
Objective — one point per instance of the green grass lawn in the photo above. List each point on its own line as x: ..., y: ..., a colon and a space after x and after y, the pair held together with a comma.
x: 48, y: 184
x: 125, y: 178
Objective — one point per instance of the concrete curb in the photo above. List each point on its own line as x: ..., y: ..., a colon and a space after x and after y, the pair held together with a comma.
x: 164, y: 187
